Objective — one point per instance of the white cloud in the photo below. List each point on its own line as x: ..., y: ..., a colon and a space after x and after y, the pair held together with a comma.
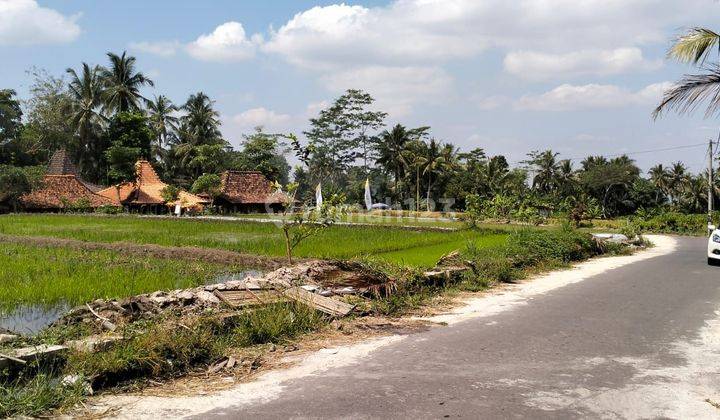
x: 415, y: 32
x: 261, y: 117
x: 161, y: 48
x: 533, y: 65
x: 228, y: 42
x: 576, y: 97
x: 487, y: 103
x: 24, y: 22
x: 396, y: 89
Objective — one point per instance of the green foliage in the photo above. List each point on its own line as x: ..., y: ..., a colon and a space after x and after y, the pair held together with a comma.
x: 670, y: 222
x: 37, y: 395
x: 526, y: 247
x: 208, y: 184
x: 265, y: 153
x: 130, y: 139
x: 14, y: 182
x: 170, y: 193
x: 275, y: 323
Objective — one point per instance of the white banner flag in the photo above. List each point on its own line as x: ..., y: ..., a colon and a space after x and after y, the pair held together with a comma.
x: 368, y: 196
x: 318, y: 196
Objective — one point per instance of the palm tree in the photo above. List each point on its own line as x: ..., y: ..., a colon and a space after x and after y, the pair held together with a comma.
x: 414, y: 158
x: 390, y: 147
x: 85, y: 91
x: 439, y: 159
x: 162, y: 121
x: 660, y: 178
x: 201, y: 123
x: 123, y: 83
x: 546, y: 169
x: 693, y: 48
x: 677, y: 180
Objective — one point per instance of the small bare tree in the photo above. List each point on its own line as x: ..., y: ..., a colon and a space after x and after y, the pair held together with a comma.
x: 300, y: 225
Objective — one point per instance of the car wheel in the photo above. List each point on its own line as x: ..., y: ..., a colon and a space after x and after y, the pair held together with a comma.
x: 713, y: 261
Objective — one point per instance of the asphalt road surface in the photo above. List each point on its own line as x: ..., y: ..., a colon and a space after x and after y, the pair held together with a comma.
x: 639, y: 341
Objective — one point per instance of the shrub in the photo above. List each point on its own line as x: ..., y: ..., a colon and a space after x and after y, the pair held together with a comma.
x: 273, y: 323
x: 37, y: 396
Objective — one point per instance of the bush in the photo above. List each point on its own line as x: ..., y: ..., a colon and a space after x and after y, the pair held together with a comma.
x: 273, y: 323
x: 670, y: 222
x: 37, y: 396
x: 526, y: 247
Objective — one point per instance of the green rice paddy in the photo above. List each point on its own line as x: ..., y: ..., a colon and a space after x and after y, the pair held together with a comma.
x: 48, y: 276
x: 416, y: 247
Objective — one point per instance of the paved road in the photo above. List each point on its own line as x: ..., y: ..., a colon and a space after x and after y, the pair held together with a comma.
x: 633, y: 342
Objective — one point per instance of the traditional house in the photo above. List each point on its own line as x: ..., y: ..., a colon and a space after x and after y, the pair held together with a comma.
x: 247, y: 192
x: 145, y: 193
x: 62, y: 188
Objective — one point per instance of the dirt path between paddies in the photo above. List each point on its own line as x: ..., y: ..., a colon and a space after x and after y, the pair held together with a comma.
x: 191, y: 253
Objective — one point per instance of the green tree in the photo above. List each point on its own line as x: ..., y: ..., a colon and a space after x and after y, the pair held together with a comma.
x: 10, y: 125
x: 130, y: 138
x: 207, y: 184
x: 86, y: 98
x: 163, y: 123
x: 14, y: 183
x: 341, y: 134
x: 49, y: 115
x: 122, y: 84
x: 265, y: 153
x: 415, y: 160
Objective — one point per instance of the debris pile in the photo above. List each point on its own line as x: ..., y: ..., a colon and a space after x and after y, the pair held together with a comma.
x: 316, y: 283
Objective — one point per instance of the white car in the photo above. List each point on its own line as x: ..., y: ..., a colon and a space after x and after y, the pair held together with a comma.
x: 713, y: 250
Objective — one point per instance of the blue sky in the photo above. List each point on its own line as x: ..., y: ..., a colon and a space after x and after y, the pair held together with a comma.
x: 580, y: 77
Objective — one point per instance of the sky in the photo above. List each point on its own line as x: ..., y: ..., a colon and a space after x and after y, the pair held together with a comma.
x: 579, y: 77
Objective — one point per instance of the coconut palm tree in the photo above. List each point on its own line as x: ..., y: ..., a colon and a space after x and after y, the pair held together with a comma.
x: 677, y: 176
x: 122, y: 84
x: 694, y: 47
x: 201, y: 123
x: 86, y: 93
x: 660, y: 178
x: 162, y: 121
x: 390, y: 147
x: 439, y: 159
x: 546, y: 169
x: 414, y: 158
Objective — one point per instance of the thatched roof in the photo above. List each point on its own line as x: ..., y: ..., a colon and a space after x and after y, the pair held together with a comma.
x: 62, y: 186
x: 147, y: 189
x: 248, y: 187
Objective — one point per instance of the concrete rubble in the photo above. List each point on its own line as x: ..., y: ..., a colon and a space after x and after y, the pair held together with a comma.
x: 323, y: 278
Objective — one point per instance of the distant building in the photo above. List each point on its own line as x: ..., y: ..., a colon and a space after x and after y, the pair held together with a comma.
x: 248, y: 192
x: 145, y: 193
x: 62, y: 188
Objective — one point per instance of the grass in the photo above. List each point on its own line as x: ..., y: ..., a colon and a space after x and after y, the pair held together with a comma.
x: 47, y: 276
x: 336, y: 242
x: 163, y: 348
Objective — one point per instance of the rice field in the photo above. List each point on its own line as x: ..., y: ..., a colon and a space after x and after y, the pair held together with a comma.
x: 415, y: 247
x: 50, y: 276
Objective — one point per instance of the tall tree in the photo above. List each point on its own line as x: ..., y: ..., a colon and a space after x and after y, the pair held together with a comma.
x: 341, y: 134
x: 86, y: 96
x: 122, y: 84
x: 265, y: 153
x: 546, y: 168
x: 10, y: 124
x: 163, y: 122
x: 390, y: 146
